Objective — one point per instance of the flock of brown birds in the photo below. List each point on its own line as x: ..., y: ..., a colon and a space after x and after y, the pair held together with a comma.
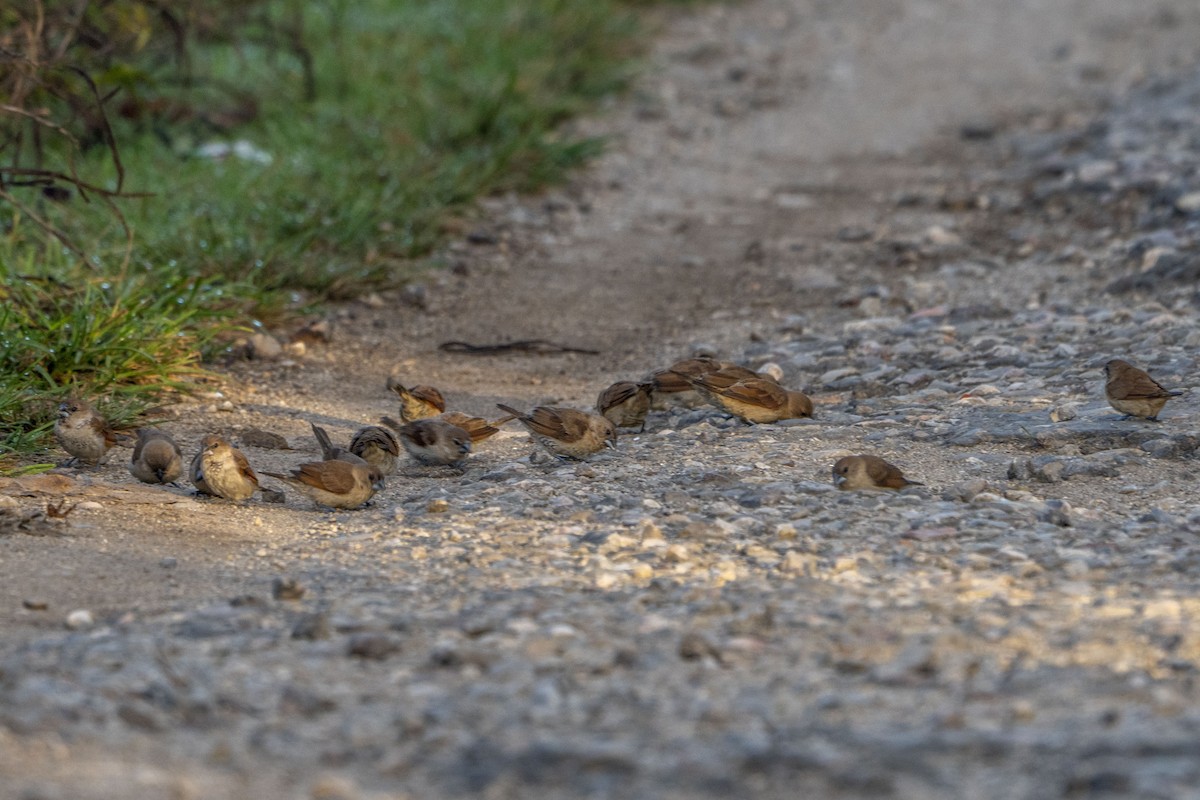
x: 347, y: 478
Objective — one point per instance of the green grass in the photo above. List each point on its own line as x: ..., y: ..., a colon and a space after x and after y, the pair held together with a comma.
x: 420, y: 108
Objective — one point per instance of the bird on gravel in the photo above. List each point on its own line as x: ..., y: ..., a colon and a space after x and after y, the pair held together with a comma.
x: 377, y: 446
x: 755, y: 400
x: 417, y: 402
x: 868, y: 472
x: 671, y: 386
x: 625, y: 404
x: 334, y: 483
x: 435, y: 442
x: 1133, y: 392
x: 566, y: 432
x: 478, y: 428
x: 83, y: 432
x: 156, y: 457
x: 221, y: 470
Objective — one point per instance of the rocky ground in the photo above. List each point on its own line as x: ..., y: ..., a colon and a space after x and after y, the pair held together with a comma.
x: 944, y: 265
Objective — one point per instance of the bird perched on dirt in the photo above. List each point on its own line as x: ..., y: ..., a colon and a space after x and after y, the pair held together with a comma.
x: 330, y: 451
x: 478, y: 428
x: 156, y: 457
x: 83, y: 432
x: 1133, y: 392
x: 377, y: 446
x: 435, y: 442
x: 566, y: 432
x: 418, y: 402
x: 221, y: 470
x: 334, y: 483
x: 868, y: 472
x: 671, y: 386
x: 756, y: 400
x: 625, y: 404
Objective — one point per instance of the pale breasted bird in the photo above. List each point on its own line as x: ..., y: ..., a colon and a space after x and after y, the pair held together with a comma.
x: 156, y: 457
x: 566, y: 432
x: 625, y: 404
x: 83, y: 432
x: 1133, y: 392
x: 334, y: 483
x: 417, y: 402
x: 377, y: 446
x: 221, y: 470
x: 868, y: 472
x: 755, y: 400
x: 435, y: 442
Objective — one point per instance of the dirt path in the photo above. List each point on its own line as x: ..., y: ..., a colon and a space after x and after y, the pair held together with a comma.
x: 765, y: 139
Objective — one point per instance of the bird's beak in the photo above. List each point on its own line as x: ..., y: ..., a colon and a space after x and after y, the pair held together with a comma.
x: 838, y: 480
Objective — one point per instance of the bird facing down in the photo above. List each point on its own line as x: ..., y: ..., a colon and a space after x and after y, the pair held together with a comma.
x: 625, y: 404
x: 1133, y: 392
x: 156, y: 457
x: 335, y: 483
x: 417, y: 402
x: 221, y: 470
x: 377, y: 446
x: 435, y: 442
x: 566, y: 432
x: 755, y: 400
x: 83, y: 432
x: 868, y: 472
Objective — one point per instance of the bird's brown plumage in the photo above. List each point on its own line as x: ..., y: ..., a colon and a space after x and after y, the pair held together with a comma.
x: 868, y: 472
x: 417, y: 402
x: 1133, y: 392
x: 566, y: 432
x: 625, y: 403
x: 156, y: 457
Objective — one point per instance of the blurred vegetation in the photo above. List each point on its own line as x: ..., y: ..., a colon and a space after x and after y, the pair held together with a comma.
x: 169, y: 167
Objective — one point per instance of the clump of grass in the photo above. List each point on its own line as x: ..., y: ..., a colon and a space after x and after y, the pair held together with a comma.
x: 123, y: 342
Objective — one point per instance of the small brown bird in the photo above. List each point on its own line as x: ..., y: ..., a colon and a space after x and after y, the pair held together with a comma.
x: 377, y: 446
x: 478, y: 427
x: 625, y: 404
x: 670, y: 386
x: 156, y: 457
x: 755, y: 400
x: 335, y: 483
x: 868, y: 472
x: 1133, y: 392
x: 435, y: 442
x: 83, y: 432
x: 221, y: 470
x: 418, y: 402
x: 566, y: 432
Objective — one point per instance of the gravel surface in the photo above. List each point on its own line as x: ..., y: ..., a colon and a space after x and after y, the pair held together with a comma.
x: 700, y: 613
